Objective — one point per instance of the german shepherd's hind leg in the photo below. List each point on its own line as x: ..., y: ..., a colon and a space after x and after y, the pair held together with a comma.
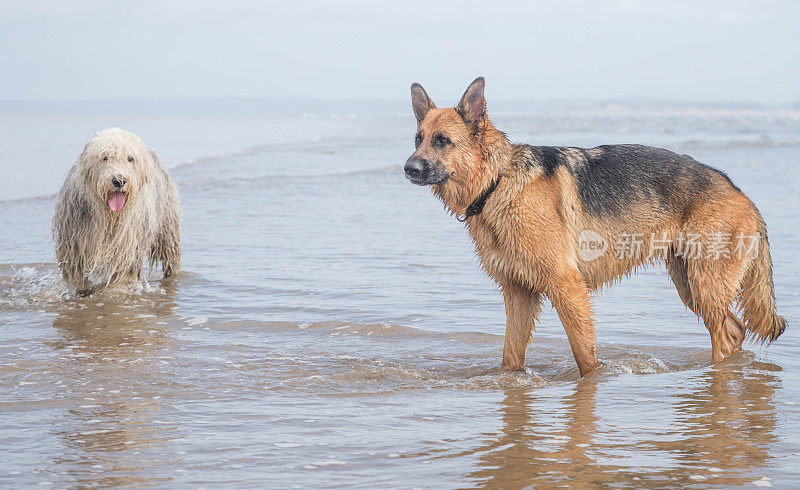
x: 570, y: 297
x: 725, y: 339
x: 522, y: 310
x: 736, y: 331
x: 714, y: 285
x: 728, y: 338
x: 717, y: 280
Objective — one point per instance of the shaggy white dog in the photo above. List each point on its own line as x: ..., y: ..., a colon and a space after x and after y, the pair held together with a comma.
x: 117, y: 208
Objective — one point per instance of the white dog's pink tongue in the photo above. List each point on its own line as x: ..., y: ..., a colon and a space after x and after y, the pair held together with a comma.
x: 115, y: 201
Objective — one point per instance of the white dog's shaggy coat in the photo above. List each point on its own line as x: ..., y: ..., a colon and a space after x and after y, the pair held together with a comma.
x: 117, y: 208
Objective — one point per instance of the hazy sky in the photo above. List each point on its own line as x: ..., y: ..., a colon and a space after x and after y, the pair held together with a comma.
x: 729, y: 50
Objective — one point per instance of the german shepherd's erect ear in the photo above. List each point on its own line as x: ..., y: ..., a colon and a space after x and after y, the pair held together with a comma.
x: 420, y: 102
x: 472, y: 107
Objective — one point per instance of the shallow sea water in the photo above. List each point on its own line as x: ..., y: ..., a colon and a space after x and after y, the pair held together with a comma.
x: 332, y: 327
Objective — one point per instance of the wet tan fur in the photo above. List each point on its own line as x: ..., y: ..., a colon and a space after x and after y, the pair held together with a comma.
x: 527, y: 235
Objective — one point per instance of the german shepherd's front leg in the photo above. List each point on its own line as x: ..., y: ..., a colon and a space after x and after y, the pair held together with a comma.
x: 522, y: 309
x: 570, y: 298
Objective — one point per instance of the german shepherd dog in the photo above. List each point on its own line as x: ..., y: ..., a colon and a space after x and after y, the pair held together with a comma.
x: 562, y: 222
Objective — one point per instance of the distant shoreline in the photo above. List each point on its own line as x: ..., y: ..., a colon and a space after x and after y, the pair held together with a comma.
x: 259, y: 107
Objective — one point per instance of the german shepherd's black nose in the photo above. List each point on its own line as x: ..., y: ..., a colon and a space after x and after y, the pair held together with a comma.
x: 118, y: 181
x: 417, y: 169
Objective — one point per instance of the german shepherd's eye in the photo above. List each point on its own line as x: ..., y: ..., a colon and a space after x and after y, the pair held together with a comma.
x: 130, y: 159
x: 441, y: 141
x: 418, y: 140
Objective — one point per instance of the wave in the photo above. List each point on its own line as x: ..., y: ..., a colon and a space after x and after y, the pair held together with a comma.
x: 321, y: 146
x: 329, y: 146
x: 40, y: 286
x: 30, y: 285
x: 328, y: 357
x: 761, y: 142
x: 42, y: 197
x: 342, y: 358
x: 214, y: 180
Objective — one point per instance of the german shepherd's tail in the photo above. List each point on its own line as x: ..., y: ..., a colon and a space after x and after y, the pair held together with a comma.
x: 757, y: 296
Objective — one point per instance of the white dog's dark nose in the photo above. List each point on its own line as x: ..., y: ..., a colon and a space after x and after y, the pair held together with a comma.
x: 118, y: 181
